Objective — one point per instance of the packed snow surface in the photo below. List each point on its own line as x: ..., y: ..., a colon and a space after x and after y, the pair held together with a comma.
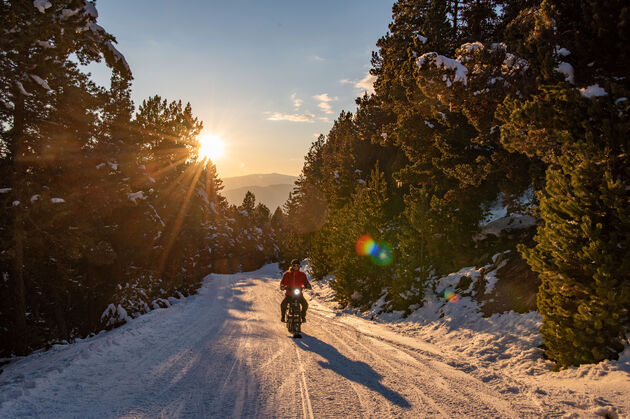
x: 224, y: 353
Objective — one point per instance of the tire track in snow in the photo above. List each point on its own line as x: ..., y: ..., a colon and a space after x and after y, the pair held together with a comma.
x: 307, y: 409
x: 421, y: 395
x: 527, y: 404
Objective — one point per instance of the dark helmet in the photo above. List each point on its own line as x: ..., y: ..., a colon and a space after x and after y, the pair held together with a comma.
x: 295, y: 262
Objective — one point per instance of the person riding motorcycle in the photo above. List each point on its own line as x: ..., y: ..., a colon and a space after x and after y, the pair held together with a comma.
x: 294, y: 278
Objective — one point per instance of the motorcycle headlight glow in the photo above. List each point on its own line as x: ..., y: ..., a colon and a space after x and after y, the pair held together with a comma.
x: 296, y: 292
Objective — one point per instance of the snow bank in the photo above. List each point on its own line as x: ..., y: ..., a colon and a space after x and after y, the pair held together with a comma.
x: 114, y: 315
x: 510, y: 222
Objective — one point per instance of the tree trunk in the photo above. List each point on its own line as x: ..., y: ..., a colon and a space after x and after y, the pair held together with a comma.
x: 17, y: 277
x: 19, y: 294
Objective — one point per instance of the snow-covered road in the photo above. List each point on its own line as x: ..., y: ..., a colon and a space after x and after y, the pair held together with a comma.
x: 224, y: 353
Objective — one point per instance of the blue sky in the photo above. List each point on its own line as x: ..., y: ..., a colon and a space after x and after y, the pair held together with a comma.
x: 265, y: 76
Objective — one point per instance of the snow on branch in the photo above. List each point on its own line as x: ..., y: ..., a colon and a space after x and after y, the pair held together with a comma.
x: 593, y: 91
x: 21, y: 88
x: 44, y: 44
x: 41, y: 5
x: 118, y: 56
x: 90, y: 9
x: 134, y: 196
x: 440, y: 61
x: 471, y: 47
x: 513, y: 62
x: 66, y: 13
x: 40, y: 81
x: 567, y: 70
x: 7, y: 105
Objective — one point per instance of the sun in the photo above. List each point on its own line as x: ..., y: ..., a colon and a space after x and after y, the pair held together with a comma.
x: 211, y: 147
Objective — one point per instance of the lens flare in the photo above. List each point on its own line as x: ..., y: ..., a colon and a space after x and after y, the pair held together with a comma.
x: 380, y: 253
x: 383, y: 256
x: 365, y: 245
x: 450, y: 296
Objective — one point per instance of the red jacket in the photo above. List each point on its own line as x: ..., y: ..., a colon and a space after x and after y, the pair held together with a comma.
x: 294, y: 279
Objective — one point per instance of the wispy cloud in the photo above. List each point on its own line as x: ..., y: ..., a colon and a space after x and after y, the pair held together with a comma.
x: 293, y: 117
x: 325, y: 98
x: 366, y: 84
x: 324, y: 119
x: 324, y: 102
x: 325, y: 107
x: 317, y: 58
x: 297, y: 102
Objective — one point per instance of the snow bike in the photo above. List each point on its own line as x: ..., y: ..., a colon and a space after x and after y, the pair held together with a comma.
x: 294, y: 316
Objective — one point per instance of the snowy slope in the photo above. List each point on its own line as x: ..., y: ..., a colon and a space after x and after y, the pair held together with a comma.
x: 224, y: 353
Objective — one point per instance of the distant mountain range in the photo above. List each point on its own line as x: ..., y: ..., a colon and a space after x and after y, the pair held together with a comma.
x: 272, y: 189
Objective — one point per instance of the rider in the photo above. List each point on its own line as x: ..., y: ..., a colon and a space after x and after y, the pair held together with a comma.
x: 294, y: 278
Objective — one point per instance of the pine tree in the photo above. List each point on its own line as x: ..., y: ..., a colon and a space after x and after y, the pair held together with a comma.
x: 357, y: 279
x: 584, y: 141
x: 583, y: 259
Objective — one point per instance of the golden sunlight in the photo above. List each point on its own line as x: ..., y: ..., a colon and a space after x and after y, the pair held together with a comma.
x: 211, y: 147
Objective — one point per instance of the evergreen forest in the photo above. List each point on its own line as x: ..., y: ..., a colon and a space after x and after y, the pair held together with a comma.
x: 524, y: 103
x: 107, y: 213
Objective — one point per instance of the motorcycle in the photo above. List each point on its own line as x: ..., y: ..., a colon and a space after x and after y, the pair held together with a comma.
x: 294, y: 315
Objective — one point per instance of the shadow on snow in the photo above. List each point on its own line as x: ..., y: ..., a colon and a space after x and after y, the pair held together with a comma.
x: 356, y: 371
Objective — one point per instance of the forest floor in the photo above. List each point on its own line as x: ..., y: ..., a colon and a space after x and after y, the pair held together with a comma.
x: 224, y: 353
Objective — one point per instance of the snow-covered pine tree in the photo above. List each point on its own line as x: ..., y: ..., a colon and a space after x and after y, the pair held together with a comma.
x: 36, y: 73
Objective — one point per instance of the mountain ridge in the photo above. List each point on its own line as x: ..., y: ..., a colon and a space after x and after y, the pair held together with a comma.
x: 270, y: 189
x: 257, y: 179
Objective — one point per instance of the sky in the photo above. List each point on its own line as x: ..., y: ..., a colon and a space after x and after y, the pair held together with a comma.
x: 267, y: 77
